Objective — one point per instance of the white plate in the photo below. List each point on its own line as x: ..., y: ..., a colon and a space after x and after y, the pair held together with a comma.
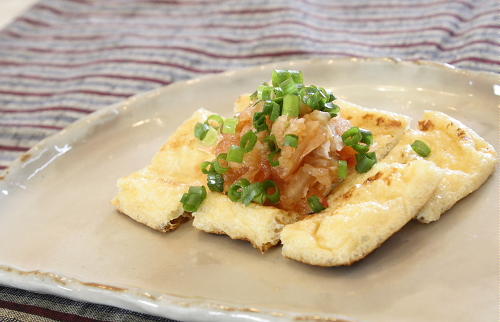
x: 59, y: 234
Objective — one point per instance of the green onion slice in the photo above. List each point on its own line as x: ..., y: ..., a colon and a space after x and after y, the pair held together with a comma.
x: 229, y: 126
x: 291, y: 106
x: 273, y: 159
x: 215, y: 121
x: 332, y: 109
x: 365, y: 161
x: 207, y: 167
x: 259, y: 122
x: 236, y: 189
x: 361, y: 148
x: 218, y: 167
x: 211, y: 137
x: 366, y: 136
x: 275, y: 196
x: 200, y: 130
x: 264, y: 92
x: 421, y: 148
x: 250, y: 192
x: 235, y: 154
x: 272, y: 109
x: 248, y: 141
x: 352, y: 136
x: 291, y: 140
x: 215, y: 181
x: 271, y: 143
x: 192, y: 199
x: 289, y: 87
x: 342, y: 169
x: 315, y: 204
x: 279, y: 76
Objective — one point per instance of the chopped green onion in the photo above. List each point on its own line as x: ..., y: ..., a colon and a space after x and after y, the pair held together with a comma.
x: 315, y: 204
x: 278, y: 94
x: 236, y: 189
x: 264, y: 92
x: 192, y: 199
x: 211, y: 137
x: 250, y: 192
x: 235, y: 154
x: 281, y: 75
x: 332, y: 109
x: 260, y: 199
x: 219, y: 121
x: 259, y: 122
x: 366, y: 136
x: 342, y: 170
x: 352, y: 136
x: 289, y: 87
x: 207, y: 167
x: 365, y: 161
x: 215, y: 181
x: 361, y: 148
x: 200, y: 130
x: 218, y: 167
x: 248, y: 141
x: 421, y: 148
x: 274, y: 197
x: 253, y: 96
x: 291, y: 105
x: 229, y: 126
x: 272, y: 109
x: 271, y: 143
x: 291, y: 140
x: 273, y: 161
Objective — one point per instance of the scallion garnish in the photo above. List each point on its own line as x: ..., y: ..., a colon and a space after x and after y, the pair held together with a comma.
x: 274, y: 197
x: 352, y: 136
x: 235, y: 191
x: 248, y: 141
x: 235, y: 154
x: 229, y: 126
x: 421, y: 148
x: 288, y: 86
x: 207, y: 167
x: 200, y: 130
x: 332, y: 109
x: 291, y: 105
x: 273, y: 161
x: 291, y: 140
x: 272, y: 109
x: 361, y: 148
x: 211, y: 137
x: 366, y: 136
x: 342, y: 169
x: 315, y: 204
x: 218, y: 167
x: 264, y: 92
x: 192, y: 199
x: 365, y: 161
x: 250, y: 192
x: 215, y: 121
x: 271, y: 143
x: 215, y: 181
x: 280, y: 76
x: 259, y: 122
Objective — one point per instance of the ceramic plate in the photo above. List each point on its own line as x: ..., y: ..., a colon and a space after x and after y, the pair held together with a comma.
x: 59, y: 233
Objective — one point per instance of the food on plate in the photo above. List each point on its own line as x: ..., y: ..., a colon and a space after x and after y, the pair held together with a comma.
x: 329, y: 179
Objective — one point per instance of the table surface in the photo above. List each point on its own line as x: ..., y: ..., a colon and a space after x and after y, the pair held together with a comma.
x: 64, y: 59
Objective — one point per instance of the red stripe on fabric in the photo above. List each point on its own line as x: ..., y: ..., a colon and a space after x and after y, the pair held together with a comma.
x: 38, y: 126
x: 54, y: 37
x: 33, y: 22
x: 81, y: 77
x: 47, y: 109
x: 51, y: 314
x: 413, y: 4
x: 281, y: 36
x: 13, y: 148
x: 339, y: 18
x: 106, y: 61
x: 476, y: 59
x: 281, y: 23
x: 3, y: 167
x: 49, y: 94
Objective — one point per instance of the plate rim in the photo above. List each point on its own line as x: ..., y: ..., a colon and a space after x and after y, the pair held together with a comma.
x: 175, y: 306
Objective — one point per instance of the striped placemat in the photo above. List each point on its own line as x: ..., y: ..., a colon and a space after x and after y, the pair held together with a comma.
x: 64, y: 59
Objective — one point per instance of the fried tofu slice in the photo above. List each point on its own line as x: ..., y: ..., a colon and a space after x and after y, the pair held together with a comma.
x: 261, y: 225
x: 152, y: 195
x: 379, y: 204
x: 257, y: 224
x: 466, y: 159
